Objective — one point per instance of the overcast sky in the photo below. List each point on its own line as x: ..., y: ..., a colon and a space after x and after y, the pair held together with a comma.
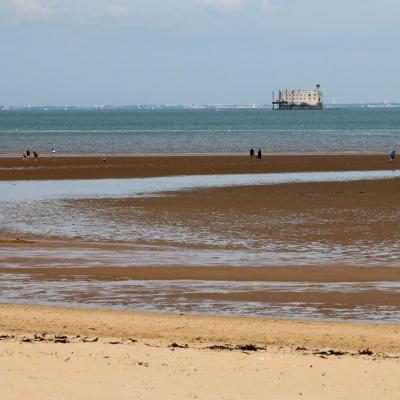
x: 56, y: 52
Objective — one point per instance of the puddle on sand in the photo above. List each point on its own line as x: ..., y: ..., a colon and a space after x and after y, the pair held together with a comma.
x: 132, y: 256
x: 22, y: 191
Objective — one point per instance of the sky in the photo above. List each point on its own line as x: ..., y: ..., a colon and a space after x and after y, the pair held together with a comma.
x: 93, y: 52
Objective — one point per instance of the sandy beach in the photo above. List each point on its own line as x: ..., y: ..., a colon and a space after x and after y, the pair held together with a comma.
x: 152, y: 356
x: 334, y: 256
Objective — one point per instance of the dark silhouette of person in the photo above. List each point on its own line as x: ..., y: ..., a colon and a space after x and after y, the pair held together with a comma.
x: 259, y: 155
x: 392, y: 155
x: 251, y: 154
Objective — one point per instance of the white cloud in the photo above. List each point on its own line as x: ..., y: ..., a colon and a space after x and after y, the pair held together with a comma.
x: 28, y: 10
x: 270, y: 5
x: 223, y: 3
x: 117, y: 10
x: 179, y: 15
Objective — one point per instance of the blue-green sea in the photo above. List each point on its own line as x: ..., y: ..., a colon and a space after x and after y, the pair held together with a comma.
x: 363, y: 130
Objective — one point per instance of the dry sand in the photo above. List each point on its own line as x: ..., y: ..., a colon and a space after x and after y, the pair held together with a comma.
x: 149, y: 166
x: 117, y: 367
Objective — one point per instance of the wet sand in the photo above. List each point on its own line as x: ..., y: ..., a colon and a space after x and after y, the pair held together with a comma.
x: 303, y: 233
x: 151, y: 166
x: 104, y: 353
x: 327, y: 274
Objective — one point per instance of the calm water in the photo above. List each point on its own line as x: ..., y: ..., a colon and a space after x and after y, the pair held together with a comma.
x: 199, y: 131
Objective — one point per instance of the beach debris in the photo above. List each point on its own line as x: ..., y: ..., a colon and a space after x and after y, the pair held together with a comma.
x: 143, y: 364
x: 301, y: 349
x: 26, y: 340
x: 60, y: 339
x: 178, y: 346
x: 365, y: 352
x: 248, y: 347
x: 89, y: 340
x: 330, y: 353
x: 39, y: 338
x: 241, y: 347
x: 123, y: 341
x: 6, y: 337
x: 221, y: 347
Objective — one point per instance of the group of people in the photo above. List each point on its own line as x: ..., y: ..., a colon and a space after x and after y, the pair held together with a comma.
x: 392, y: 154
x: 28, y: 154
x: 252, y: 154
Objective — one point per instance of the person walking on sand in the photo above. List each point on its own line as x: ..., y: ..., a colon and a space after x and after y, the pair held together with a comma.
x: 251, y: 154
x: 259, y: 154
x: 392, y: 155
x: 35, y: 155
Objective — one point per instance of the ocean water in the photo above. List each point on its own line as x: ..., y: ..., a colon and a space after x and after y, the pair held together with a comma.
x: 199, y: 131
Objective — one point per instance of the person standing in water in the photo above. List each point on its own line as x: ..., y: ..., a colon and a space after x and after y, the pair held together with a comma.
x: 392, y: 155
x: 259, y: 155
x: 251, y: 154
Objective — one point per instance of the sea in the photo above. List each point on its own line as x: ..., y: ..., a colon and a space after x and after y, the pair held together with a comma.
x: 122, y: 131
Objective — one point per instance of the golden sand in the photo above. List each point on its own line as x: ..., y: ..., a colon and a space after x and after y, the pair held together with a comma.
x: 84, y: 354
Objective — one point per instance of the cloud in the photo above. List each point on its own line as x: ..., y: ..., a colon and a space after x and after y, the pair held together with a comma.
x: 117, y: 10
x: 270, y: 6
x: 28, y: 10
x: 223, y: 3
x: 177, y: 15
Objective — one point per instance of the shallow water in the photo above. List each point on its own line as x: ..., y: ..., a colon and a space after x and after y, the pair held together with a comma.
x: 50, y: 209
x: 317, y: 254
x: 95, y: 224
x: 24, y: 191
x: 204, y: 297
